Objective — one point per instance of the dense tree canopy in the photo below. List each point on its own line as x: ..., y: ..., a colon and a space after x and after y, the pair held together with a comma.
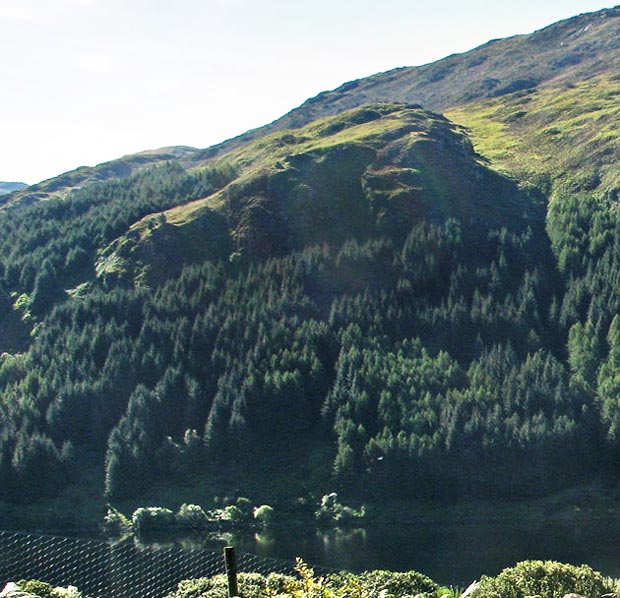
x: 419, y: 354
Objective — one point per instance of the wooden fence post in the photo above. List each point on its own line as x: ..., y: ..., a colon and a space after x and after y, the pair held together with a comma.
x: 231, y: 571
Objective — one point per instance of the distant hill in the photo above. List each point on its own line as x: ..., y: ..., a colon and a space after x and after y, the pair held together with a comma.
x: 58, y: 187
x: 10, y: 187
x: 372, y: 170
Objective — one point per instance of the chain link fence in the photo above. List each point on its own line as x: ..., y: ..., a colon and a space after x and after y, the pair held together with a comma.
x: 102, y: 569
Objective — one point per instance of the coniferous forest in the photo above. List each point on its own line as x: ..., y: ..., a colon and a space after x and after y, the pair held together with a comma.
x: 382, y: 301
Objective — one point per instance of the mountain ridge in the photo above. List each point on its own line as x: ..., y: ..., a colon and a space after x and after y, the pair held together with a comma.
x: 430, y: 85
x: 591, y: 45
x: 60, y: 186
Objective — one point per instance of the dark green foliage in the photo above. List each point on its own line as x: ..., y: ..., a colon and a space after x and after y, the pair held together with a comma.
x: 440, y: 344
x: 49, y: 246
x: 45, y: 292
x: 172, y: 380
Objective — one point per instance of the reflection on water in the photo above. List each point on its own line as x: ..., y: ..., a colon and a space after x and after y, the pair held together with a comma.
x: 450, y: 554
x: 265, y: 542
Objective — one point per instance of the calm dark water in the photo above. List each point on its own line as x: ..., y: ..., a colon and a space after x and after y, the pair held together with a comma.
x: 450, y: 554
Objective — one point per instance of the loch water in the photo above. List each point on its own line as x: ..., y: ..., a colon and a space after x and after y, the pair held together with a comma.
x: 450, y: 553
x: 453, y: 554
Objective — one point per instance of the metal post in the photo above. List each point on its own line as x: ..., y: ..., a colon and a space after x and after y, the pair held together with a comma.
x: 231, y: 571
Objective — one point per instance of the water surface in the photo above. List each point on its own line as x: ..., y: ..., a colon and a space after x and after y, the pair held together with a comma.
x: 448, y: 553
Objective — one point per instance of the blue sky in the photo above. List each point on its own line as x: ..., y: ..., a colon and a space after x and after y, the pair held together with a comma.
x: 84, y: 81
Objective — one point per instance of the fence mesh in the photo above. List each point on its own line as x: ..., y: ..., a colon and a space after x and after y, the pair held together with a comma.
x: 102, y: 569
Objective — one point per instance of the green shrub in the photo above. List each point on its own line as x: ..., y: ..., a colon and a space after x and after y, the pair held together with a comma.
x: 152, y: 518
x: 191, y: 517
x: 546, y: 579
x: 371, y: 584
x: 115, y: 522
x: 409, y: 583
x: 233, y: 514
x: 34, y: 588
x: 331, y: 511
x: 251, y: 585
x: 37, y: 588
x: 278, y: 583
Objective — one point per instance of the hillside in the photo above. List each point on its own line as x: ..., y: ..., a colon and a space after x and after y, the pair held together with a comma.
x: 573, y: 50
x: 368, y: 172
x: 570, y: 51
x: 384, y: 300
x: 58, y: 187
x: 381, y: 220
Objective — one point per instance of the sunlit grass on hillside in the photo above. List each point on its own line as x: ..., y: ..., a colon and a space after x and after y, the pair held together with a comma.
x: 366, y: 126
x: 569, y: 133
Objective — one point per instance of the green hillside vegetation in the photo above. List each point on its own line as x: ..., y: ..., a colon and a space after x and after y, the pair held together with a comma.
x: 368, y: 303
x: 306, y: 293
x: 568, y: 134
x: 370, y: 171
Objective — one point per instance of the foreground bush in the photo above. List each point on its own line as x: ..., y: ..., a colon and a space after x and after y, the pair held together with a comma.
x: 306, y: 585
x: 251, y: 585
x: 38, y: 589
x: 408, y: 583
x: 544, y: 579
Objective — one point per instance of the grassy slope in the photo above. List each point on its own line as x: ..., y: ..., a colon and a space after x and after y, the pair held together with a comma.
x: 338, y: 177
x: 568, y: 134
